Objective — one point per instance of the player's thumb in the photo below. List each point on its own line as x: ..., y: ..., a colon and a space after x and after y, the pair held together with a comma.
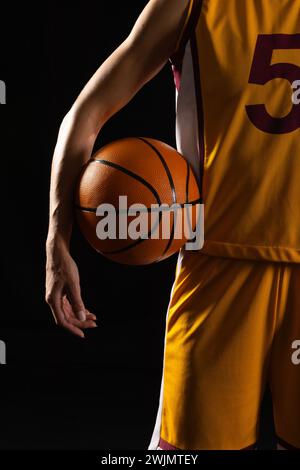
x: 76, y: 302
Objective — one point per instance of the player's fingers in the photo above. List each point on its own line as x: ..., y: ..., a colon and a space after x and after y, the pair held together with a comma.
x: 73, y: 329
x: 59, y: 315
x: 90, y: 316
x: 69, y: 312
x: 74, y: 296
x: 82, y: 324
x: 67, y: 307
x: 53, y: 300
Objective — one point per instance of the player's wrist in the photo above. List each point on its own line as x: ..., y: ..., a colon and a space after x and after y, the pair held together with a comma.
x: 57, y: 242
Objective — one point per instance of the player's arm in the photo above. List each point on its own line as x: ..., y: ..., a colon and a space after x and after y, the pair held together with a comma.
x: 140, y: 57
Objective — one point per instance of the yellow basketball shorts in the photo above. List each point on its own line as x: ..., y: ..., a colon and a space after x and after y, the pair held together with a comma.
x: 232, y: 327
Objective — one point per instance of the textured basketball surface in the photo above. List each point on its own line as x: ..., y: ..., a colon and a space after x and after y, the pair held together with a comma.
x: 148, y: 172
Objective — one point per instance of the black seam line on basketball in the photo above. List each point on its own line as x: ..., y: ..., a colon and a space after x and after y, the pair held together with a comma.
x: 131, y: 174
x: 141, y: 180
x: 167, y: 170
x: 132, y: 245
x: 140, y: 240
x: 169, y: 175
x: 149, y: 209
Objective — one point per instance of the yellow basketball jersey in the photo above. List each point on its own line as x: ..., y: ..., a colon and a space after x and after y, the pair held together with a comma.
x: 236, y: 70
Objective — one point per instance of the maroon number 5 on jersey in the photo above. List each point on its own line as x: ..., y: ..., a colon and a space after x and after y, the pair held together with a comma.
x: 262, y: 71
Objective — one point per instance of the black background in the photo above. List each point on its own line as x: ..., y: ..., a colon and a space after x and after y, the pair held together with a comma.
x: 57, y: 391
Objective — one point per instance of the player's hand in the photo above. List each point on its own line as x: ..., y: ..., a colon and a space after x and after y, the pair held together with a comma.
x: 63, y: 292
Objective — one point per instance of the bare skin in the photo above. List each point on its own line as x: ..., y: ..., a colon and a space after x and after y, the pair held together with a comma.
x: 137, y: 60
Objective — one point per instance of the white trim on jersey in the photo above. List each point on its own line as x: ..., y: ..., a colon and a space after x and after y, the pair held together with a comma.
x: 187, y: 139
x: 187, y: 125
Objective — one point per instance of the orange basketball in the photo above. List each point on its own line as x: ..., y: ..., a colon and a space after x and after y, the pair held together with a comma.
x: 125, y: 201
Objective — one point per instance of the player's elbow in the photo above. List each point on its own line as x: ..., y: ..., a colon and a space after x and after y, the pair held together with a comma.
x: 76, y: 130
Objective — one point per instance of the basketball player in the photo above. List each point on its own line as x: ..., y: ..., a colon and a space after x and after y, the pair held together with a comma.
x: 234, y: 315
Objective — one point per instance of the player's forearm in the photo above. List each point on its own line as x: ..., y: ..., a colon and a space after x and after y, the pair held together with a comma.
x: 109, y: 90
x: 67, y: 161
